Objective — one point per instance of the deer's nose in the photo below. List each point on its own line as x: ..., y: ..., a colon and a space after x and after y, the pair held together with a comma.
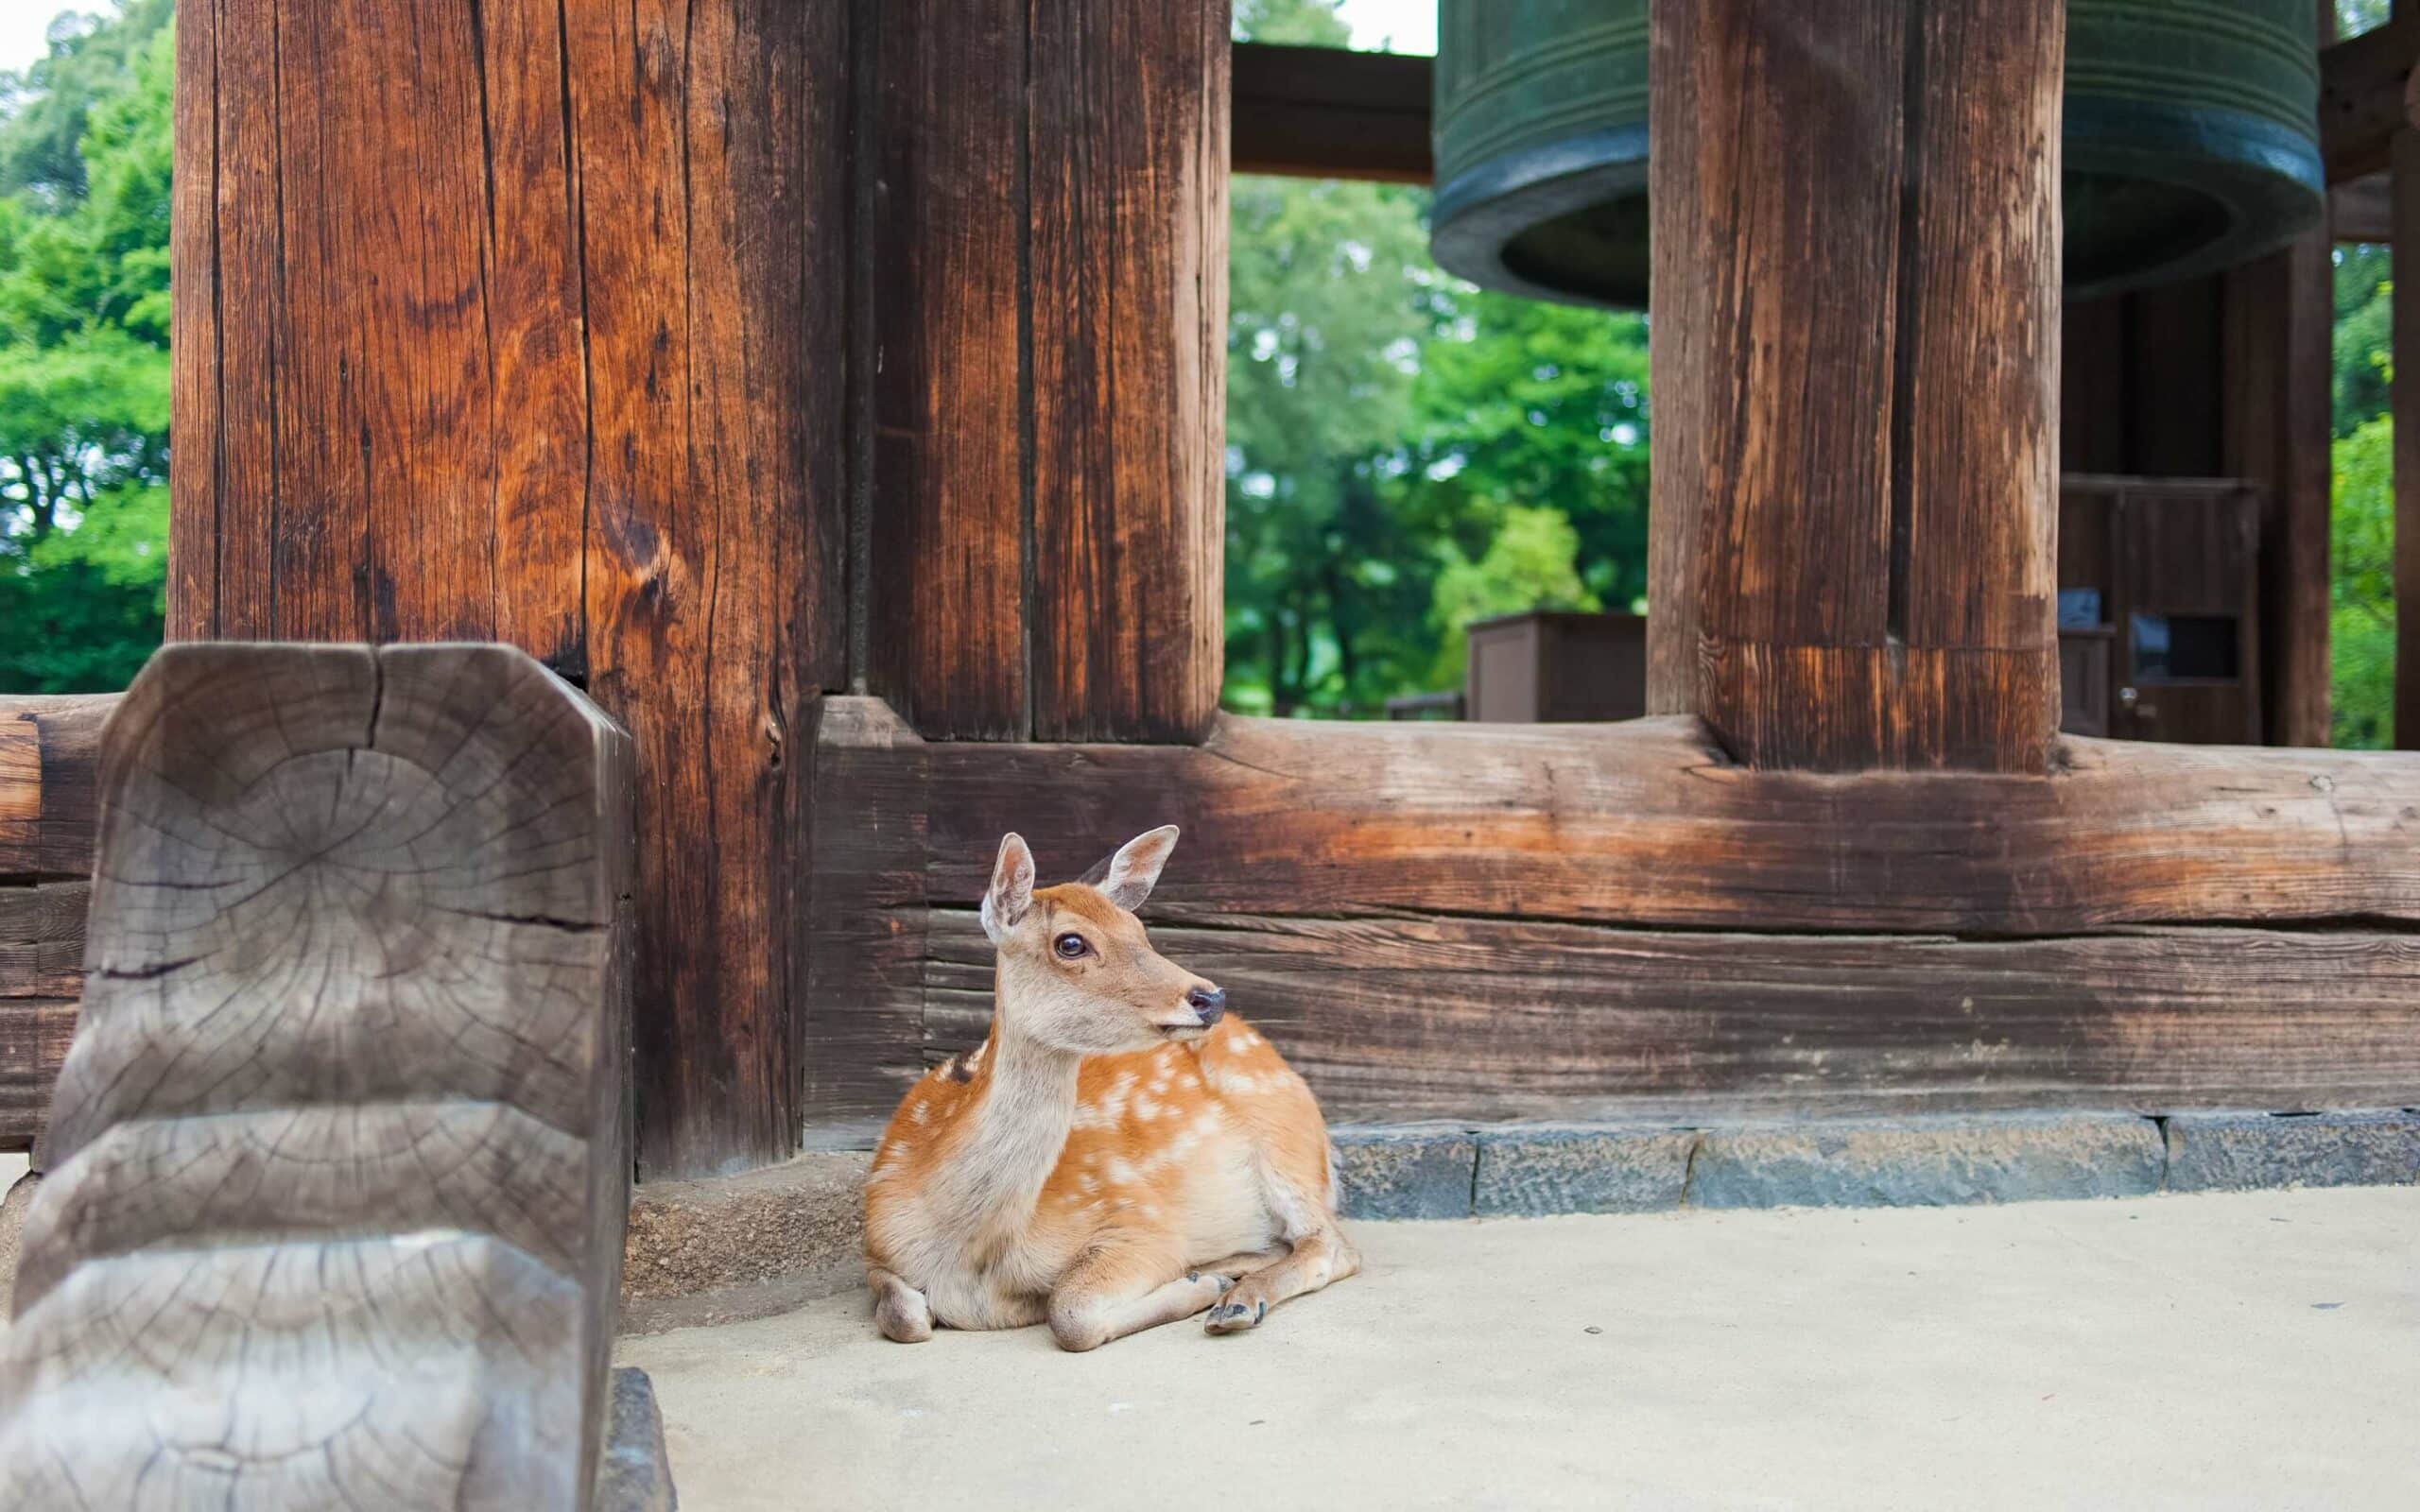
x: 1208, y: 1002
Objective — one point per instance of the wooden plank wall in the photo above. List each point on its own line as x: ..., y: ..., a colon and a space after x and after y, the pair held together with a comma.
x: 49, y: 752
x: 1567, y: 921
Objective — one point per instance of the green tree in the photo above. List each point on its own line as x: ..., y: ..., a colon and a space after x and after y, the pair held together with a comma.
x: 2361, y: 584
x: 1405, y: 451
x: 84, y: 353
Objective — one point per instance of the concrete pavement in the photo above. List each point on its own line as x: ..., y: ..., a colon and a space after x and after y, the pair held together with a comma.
x: 2259, y: 1349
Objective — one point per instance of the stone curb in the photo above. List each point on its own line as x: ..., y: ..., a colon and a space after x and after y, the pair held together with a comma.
x: 2241, y: 1152
x: 1926, y: 1164
x: 769, y: 1241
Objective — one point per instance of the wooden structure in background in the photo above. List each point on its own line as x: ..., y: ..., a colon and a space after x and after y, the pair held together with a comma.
x: 341, y: 1158
x: 2167, y: 567
x: 1550, y: 669
x: 834, y: 390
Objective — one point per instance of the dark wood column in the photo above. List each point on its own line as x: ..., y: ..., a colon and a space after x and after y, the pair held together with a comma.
x: 1855, y: 337
x: 505, y: 320
x: 1047, y: 275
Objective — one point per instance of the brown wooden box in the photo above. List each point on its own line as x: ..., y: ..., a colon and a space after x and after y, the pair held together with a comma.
x: 1550, y: 667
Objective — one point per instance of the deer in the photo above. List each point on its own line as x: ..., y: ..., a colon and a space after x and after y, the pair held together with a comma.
x: 1119, y: 1152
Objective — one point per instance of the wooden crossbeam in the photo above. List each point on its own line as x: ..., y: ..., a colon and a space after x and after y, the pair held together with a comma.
x: 2363, y: 85
x: 1499, y: 920
x: 1323, y: 112
x: 49, y: 767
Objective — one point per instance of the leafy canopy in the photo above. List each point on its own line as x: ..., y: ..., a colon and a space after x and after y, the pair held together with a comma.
x: 84, y: 168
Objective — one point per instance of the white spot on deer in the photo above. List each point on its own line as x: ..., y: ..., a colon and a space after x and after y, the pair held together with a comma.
x: 1120, y: 1173
x: 921, y: 1111
x: 1249, y: 1040
x: 1145, y: 1108
x: 1090, y: 1183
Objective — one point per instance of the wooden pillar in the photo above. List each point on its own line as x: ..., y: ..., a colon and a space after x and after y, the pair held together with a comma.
x: 1856, y: 350
x: 506, y: 320
x: 2280, y: 317
x: 1047, y: 273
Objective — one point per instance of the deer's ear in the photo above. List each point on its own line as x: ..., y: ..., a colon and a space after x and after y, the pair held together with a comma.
x: 1130, y: 876
x: 1011, y: 891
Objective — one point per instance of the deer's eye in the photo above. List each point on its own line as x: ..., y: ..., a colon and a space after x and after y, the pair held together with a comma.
x: 1070, y: 947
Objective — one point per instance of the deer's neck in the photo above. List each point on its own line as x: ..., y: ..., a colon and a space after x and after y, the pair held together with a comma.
x: 1020, y: 1126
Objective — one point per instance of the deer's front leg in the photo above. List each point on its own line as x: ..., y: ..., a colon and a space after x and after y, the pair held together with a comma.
x: 1119, y: 1289
x: 1321, y: 1258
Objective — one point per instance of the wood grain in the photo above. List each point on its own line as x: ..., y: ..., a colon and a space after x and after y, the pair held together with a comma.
x: 502, y: 320
x: 49, y: 761
x: 1636, y: 827
x: 1406, y: 1018
x: 947, y: 598
x: 1127, y: 208
x: 1866, y: 560
x: 49, y: 767
x: 1047, y: 253
x: 340, y: 1158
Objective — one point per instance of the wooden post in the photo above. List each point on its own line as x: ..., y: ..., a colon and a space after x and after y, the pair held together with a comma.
x: 1856, y: 277
x: 341, y: 1158
x: 500, y: 321
x: 2280, y: 317
x: 1048, y: 282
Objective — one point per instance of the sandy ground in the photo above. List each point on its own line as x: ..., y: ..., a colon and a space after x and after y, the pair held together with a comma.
x: 2260, y: 1351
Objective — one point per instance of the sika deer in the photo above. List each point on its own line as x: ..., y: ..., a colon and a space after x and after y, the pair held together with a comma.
x: 1119, y: 1153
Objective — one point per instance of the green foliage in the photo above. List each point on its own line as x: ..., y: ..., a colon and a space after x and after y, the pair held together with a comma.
x: 84, y: 353
x: 2364, y: 334
x: 2357, y: 16
x: 1405, y: 453
x: 2361, y: 584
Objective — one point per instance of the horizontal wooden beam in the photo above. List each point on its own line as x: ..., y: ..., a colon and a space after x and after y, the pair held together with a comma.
x: 1591, y: 919
x: 1644, y: 823
x: 1323, y: 112
x: 1406, y: 1019
x: 49, y: 761
x: 41, y: 976
x: 49, y: 785
x: 2363, y: 86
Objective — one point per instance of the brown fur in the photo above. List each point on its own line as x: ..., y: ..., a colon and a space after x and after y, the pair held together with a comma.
x: 1098, y: 1150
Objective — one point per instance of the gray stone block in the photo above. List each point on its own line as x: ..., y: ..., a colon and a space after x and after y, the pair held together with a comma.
x: 1536, y: 1170
x: 632, y: 1474
x: 2238, y: 1152
x: 1405, y: 1172
x: 1927, y: 1162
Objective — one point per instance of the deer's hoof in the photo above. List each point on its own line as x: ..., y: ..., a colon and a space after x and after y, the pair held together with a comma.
x: 1235, y: 1315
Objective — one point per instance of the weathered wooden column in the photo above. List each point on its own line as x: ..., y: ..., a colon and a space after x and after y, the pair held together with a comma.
x: 1856, y: 336
x: 516, y: 322
x: 1047, y: 280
